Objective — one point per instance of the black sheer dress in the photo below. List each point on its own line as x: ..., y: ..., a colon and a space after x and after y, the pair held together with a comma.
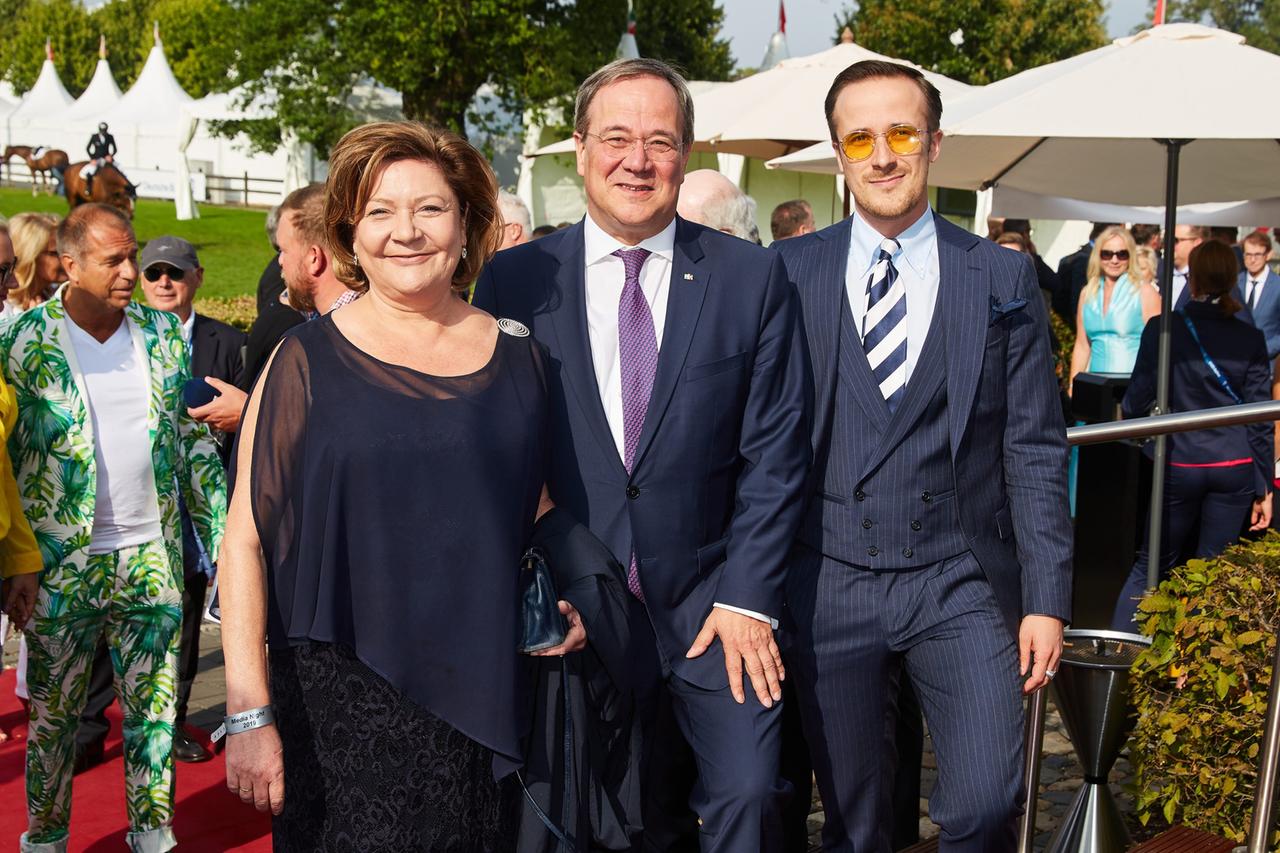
x: 393, y: 508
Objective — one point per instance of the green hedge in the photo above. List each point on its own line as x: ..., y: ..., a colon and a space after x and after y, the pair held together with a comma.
x: 1201, y: 689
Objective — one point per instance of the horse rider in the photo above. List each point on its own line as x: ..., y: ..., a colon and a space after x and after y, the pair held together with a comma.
x: 101, y: 150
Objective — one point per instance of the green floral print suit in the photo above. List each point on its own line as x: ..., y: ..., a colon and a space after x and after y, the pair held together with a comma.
x: 134, y: 594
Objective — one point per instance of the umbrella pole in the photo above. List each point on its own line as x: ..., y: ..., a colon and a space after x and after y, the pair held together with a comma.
x: 1173, y: 147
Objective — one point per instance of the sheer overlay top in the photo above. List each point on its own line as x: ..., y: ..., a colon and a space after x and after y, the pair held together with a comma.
x: 393, y: 508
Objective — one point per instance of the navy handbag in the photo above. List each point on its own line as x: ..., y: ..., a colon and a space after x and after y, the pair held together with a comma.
x: 542, y: 626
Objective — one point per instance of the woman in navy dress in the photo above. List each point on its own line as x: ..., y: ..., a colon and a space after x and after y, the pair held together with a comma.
x: 389, y: 478
x: 1218, y: 480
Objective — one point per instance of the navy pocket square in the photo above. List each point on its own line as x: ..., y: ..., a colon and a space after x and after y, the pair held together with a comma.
x: 1000, y: 310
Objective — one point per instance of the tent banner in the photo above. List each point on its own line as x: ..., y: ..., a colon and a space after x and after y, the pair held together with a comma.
x: 160, y: 183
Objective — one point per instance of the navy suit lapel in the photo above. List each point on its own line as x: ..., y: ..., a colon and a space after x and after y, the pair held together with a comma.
x: 686, y: 292
x: 856, y: 371
x: 964, y: 308
x: 572, y: 342
x: 830, y: 312
x: 820, y: 280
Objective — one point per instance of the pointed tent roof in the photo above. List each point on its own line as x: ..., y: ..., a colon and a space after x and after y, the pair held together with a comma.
x: 627, y: 47
x: 778, y: 49
x: 101, y: 94
x: 47, y: 96
x: 155, y: 97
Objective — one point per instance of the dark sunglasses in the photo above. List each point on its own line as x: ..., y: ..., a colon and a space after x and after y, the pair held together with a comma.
x: 1120, y: 255
x: 6, y: 270
x: 174, y: 273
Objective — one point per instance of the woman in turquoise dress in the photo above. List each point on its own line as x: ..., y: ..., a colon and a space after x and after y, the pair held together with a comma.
x: 1114, y: 308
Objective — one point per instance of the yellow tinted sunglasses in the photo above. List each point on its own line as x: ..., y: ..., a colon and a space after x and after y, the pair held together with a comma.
x: 902, y: 139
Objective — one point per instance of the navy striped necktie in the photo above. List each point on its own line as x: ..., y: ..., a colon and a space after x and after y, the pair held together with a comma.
x: 884, y: 335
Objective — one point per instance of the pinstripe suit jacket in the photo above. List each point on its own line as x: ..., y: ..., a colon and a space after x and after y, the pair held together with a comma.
x: 1007, y: 437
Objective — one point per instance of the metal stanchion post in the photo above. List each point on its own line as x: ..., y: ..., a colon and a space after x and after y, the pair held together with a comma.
x: 1265, y: 796
x: 1033, y: 746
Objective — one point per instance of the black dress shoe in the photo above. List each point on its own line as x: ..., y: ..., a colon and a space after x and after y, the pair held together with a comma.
x: 89, y: 756
x: 188, y: 750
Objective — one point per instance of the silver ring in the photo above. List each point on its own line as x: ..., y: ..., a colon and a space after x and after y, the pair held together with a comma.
x: 1050, y: 673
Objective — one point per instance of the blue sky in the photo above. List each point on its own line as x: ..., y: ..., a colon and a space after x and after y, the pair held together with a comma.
x: 810, y: 24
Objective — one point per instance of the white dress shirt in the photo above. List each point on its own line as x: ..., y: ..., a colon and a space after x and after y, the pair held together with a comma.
x: 1179, y: 282
x: 605, y: 277
x: 1253, y: 286
x: 917, y: 265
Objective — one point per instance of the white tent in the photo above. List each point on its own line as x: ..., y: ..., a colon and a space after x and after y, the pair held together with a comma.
x: 153, y: 100
x: 101, y: 95
x: 30, y: 123
x: 47, y: 97
x: 220, y: 106
x: 777, y: 50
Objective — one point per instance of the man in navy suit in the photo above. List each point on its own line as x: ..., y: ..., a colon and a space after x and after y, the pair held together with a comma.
x: 1260, y: 289
x: 679, y: 390
x: 936, y: 541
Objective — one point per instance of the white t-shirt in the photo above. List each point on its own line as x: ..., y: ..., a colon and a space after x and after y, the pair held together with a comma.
x: 126, y: 511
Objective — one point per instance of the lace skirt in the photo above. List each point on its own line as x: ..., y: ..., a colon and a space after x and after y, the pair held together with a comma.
x: 366, y: 769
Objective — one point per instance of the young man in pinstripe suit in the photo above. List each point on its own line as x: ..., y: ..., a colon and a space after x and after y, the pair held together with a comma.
x: 936, y: 542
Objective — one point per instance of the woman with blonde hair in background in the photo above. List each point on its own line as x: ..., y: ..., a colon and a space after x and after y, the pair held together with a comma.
x: 1114, y: 307
x: 39, y: 270
x: 1148, y: 265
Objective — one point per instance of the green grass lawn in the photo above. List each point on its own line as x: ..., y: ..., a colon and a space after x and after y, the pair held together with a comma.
x: 231, y: 241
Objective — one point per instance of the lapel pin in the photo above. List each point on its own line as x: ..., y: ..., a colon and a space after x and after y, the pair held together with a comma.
x: 688, y: 276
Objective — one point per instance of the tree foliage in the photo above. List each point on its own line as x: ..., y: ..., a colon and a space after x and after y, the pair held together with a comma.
x: 199, y: 38
x: 309, y: 55
x: 1001, y: 37
x: 1257, y: 20
x: 66, y: 24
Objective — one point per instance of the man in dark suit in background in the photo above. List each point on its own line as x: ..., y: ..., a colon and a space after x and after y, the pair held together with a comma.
x: 679, y: 436
x: 937, y: 540
x: 1260, y: 288
x: 171, y: 274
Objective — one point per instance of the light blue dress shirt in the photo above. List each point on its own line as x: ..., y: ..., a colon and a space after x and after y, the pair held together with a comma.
x: 917, y: 264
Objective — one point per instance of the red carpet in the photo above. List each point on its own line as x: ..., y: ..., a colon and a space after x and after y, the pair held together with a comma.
x: 208, y: 818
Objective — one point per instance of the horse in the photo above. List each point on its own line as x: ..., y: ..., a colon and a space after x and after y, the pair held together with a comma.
x: 52, y: 161
x: 110, y: 186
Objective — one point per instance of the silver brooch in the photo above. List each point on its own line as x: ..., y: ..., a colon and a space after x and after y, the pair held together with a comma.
x: 512, y: 327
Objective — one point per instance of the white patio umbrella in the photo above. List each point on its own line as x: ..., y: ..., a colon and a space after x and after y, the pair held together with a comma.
x: 1050, y: 130
x: 780, y: 110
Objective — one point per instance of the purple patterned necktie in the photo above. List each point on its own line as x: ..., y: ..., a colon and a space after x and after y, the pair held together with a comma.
x: 638, y: 360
